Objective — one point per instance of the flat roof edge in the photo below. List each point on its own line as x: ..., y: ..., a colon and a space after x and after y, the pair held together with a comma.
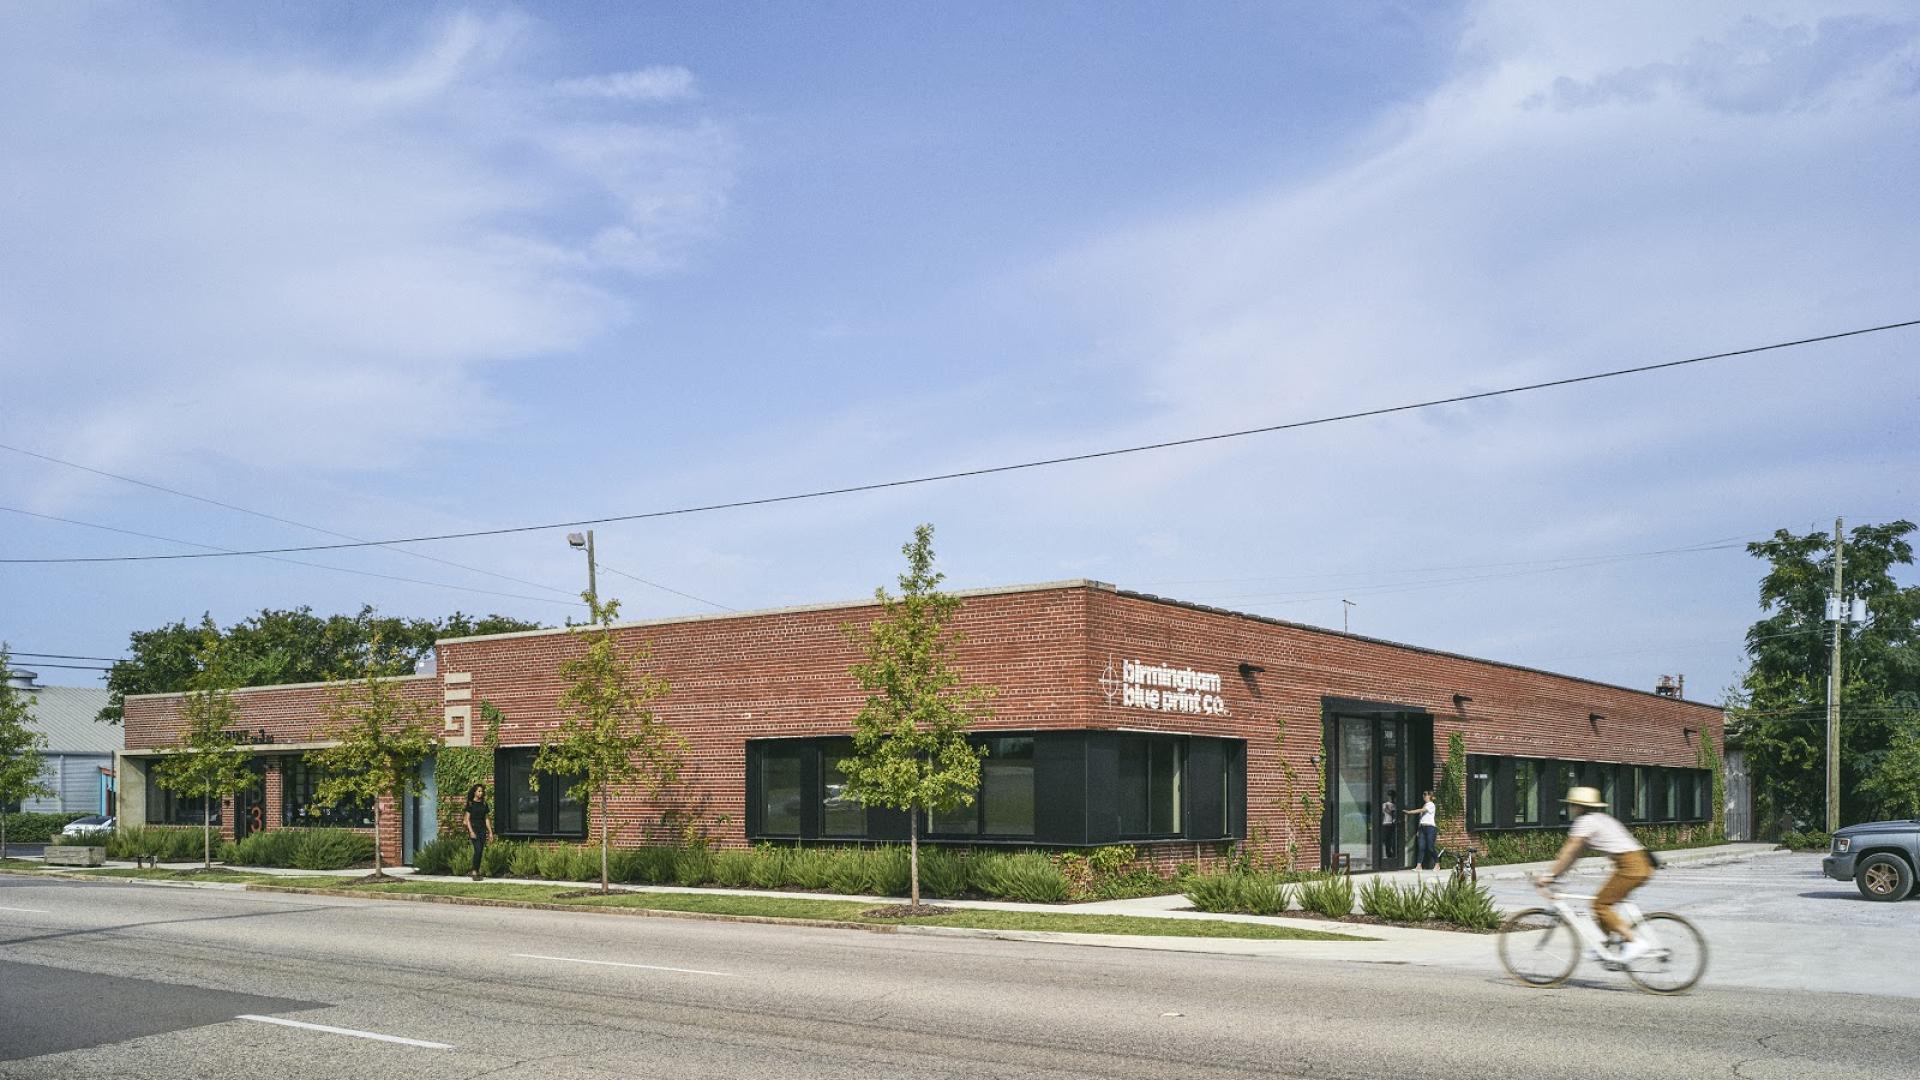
x: 794, y: 609
x: 278, y: 686
x: 1312, y: 629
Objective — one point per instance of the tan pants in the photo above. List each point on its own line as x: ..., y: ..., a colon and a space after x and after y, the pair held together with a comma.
x: 1630, y: 871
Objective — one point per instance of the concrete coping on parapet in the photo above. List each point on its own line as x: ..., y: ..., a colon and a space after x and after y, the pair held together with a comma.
x: 270, y: 687
x: 794, y: 609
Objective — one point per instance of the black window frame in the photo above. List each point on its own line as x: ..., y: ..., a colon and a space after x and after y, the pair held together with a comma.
x: 298, y: 779
x: 551, y: 792
x: 1483, y: 787
x: 1670, y: 795
x: 176, y: 809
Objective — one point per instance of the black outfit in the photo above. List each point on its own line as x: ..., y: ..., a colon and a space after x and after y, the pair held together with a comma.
x: 477, y: 821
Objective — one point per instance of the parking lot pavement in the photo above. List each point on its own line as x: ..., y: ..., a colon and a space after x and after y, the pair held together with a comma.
x: 1776, y: 921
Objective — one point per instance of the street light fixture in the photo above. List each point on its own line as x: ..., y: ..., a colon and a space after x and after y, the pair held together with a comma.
x: 584, y: 543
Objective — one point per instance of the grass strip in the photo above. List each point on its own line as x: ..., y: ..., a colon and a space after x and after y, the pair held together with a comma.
x: 852, y: 911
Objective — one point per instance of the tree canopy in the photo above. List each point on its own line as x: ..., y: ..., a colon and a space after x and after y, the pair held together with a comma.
x: 20, y: 749
x: 209, y: 763
x: 1779, y: 709
x: 285, y: 646
x: 384, y: 737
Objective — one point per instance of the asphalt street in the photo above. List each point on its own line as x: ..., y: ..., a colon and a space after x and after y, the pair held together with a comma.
x: 154, y: 982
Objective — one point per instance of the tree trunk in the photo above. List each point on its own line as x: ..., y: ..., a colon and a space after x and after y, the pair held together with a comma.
x: 206, y: 832
x: 913, y: 858
x: 603, y: 841
x: 376, y: 836
x: 3, y: 835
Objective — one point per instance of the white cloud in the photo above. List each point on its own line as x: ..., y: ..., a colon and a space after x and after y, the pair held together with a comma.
x: 311, y: 261
x: 653, y: 84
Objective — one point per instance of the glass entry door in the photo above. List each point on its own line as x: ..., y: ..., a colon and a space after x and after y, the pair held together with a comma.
x: 1369, y: 767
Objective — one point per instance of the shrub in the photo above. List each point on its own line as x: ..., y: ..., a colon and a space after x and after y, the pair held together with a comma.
x: 944, y: 873
x: 849, y: 871
x: 769, y: 867
x: 890, y: 871
x: 272, y: 847
x: 1028, y: 876
x: 623, y: 864
x: 516, y: 859
x: 654, y: 866
x: 328, y: 849
x: 1328, y: 894
x: 437, y: 857
x: 1398, y: 903
x: 811, y: 868
x: 1463, y: 903
x: 171, y: 843
x: 1806, y: 840
x: 36, y: 828
x: 733, y: 869
x: 692, y: 866
x: 1243, y: 892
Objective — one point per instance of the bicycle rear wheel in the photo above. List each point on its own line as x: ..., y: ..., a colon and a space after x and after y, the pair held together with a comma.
x: 1679, y: 957
x: 1538, y: 947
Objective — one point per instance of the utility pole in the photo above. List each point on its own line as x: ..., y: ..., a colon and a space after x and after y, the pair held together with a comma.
x: 1837, y: 608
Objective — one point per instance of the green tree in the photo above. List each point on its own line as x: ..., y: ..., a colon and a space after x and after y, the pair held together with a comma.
x: 209, y: 763
x: 910, y: 747
x: 20, y: 749
x: 610, y: 734
x: 1896, y: 783
x: 384, y: 738
x: 287, y: 646
x: 1779, y: 707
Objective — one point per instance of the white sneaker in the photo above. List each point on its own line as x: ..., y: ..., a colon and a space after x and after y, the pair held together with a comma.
x: 1632, y: 950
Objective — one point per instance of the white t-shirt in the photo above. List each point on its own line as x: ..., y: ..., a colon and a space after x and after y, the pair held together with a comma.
x: 1426, y: 813
x: 1603, y: 833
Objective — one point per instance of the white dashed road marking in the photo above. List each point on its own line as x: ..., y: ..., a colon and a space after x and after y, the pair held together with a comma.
x: 28, y: 910
x: 347, y: 1031
x: 615, y: 963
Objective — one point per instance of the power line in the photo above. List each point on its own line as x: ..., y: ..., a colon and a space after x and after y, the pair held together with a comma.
x: 76, y: 667
x: 662, y: 588
x: 266, y: 516
x: 290, y: 562
x: 997, y: 469
x: 16, y: 653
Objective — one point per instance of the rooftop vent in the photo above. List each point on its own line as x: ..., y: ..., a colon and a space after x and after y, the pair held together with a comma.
x: 1673, y: 686
x: 22, y: 680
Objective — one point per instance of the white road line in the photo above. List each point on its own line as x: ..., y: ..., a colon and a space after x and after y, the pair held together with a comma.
x: 615, y: 963
x: 346, y: 1031
x: 29, y: 910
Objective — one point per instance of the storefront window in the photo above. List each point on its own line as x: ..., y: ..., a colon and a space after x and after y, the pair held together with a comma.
x: 298, y: 805
x: 1642, y: 793
x: 530, y: 809
x: 1149, y: 788
x: 1480, y: 792
x: 1006, y: 786
x: 166, y: 808
x: 839, y: 815
x: 1569, y: 776
x: 780, y: 795
x: 1526, y: 793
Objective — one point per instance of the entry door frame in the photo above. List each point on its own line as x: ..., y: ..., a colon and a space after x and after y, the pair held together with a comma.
x: 1416, y: 739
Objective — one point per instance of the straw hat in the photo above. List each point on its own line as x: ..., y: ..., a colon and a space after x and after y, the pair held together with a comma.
x: 1587, y: 797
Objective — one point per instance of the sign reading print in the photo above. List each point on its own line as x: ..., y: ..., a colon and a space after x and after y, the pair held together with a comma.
x: 1162, y: 688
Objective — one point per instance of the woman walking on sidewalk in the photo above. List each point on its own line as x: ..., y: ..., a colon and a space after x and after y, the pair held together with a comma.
x: 477, y: 824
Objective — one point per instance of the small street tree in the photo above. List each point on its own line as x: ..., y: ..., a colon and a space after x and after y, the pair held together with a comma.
x: 610, y: 734
x: 210, y: 763
x: 20, y: 747
x: 910, y: 748
x: 384, y: 739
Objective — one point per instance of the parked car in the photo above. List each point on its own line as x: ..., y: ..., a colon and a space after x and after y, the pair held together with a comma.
x: 88, y: 826
x: 1881, y: 857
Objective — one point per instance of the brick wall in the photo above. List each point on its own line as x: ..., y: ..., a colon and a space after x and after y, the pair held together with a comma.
x: 1046, y: 650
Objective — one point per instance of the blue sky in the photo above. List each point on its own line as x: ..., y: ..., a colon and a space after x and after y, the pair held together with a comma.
x: 410, y: 269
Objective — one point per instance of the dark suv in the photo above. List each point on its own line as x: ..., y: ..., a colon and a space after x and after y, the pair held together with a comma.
x: 1880, y: 857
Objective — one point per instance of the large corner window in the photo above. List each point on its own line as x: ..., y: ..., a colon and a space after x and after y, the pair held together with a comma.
x: 1567, y: 773
x: 298, y: 805
x: 1479, y: 792
x: 782, y: 769
x: 839, y: 814
x: 1149, y: 790
x: 1003, y: 807
x: 530, y: 805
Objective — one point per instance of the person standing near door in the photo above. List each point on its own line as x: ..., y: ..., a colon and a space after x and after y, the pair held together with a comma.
x: 476, y: 811
x: 1427, y: 843
x: 1389, y: 822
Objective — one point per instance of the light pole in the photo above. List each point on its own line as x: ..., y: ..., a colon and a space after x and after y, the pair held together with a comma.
x: 585, y: 543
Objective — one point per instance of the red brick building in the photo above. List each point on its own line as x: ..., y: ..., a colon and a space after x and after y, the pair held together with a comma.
x: 1118, y: 718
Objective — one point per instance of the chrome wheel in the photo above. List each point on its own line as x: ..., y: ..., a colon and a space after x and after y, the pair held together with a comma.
x: 1881, y: 880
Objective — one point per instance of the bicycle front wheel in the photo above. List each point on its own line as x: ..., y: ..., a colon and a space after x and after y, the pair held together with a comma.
x: 1678, y: 959
x: 1538, y: 947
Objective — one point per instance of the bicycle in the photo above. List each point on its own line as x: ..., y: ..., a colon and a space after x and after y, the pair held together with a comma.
x: 1541, y: 946
x: 1466, y: 864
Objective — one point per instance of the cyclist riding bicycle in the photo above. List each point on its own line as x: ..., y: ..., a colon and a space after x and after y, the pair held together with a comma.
x: 1595, y: 828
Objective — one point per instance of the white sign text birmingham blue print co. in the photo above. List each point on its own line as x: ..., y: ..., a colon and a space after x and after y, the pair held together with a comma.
x: 1160, y: 688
